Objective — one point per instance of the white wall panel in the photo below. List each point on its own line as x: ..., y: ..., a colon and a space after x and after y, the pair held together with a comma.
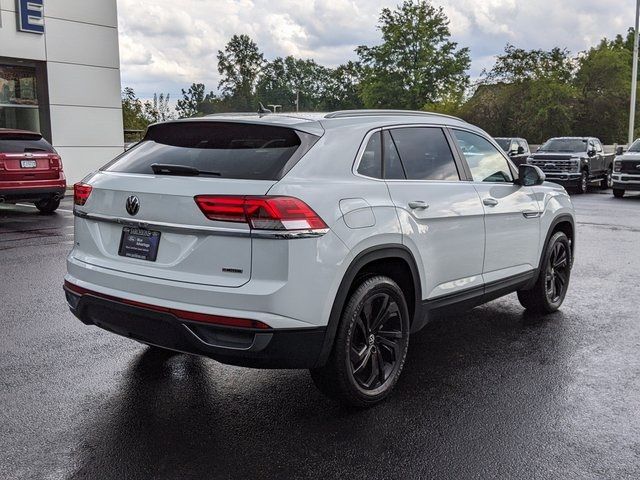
x: 82, y: 43
x: 100, y: 12
x: 81, y: 85
x: 80, y: 161
x: 20, y: 44
x: 86, y: 126
x: 8, y: 5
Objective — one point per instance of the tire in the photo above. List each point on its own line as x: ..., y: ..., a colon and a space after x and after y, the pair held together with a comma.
x: 549, y: 291
x: 47, y: 205
x: 583, y: 183
x: 618, y: 192
x: 607, y: 181
x: 366, y: 361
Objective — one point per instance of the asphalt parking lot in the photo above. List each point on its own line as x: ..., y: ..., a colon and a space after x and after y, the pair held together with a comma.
x: 494, y: 393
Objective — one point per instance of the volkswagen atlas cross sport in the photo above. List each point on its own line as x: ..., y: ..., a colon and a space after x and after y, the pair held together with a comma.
x: 319, y: 242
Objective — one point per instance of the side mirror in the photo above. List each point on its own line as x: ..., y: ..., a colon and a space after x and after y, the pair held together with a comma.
x: 520, y: 150
x: 591, y: 153
x: 619, y: 151
x: 530, y: 175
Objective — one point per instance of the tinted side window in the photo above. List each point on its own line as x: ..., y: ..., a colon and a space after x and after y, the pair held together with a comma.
x: 425, y: 153
x: 393, y: 169
x: 371, y: 161
x: 486, y: 163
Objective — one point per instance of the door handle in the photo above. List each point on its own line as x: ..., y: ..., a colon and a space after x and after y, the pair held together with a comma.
x: 418, y: 205
x: 531, y: 214
x: 490, y: 202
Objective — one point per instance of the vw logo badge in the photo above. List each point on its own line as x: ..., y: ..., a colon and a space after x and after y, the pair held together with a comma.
x: 133, y: 205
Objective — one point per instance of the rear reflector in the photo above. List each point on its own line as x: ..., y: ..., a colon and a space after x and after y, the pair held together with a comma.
x: 81, y: 192
x: 180, y: 314
x: 263, y: 213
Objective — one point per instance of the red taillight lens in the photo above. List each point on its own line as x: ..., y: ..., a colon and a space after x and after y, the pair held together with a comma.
x: 81, y: 192
x: 263, y: 213
x: 55, y: 163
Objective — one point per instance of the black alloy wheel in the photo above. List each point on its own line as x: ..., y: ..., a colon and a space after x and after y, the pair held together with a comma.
x: 552, y: 284
x: 370, y: 345
x: 376, y: 342
x: 557, y: 273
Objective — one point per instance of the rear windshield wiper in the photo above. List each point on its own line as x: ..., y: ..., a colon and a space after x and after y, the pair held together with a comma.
x: 180, y: 170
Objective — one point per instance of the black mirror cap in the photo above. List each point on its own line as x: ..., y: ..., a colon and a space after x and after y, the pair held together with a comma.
x: 530, y: 175
x: 619, y: 151
x: 520, y: 150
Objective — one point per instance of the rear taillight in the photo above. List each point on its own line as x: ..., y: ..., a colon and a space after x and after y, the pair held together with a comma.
x: 55, y: 163
x: 262, y: 213
x: 81, y: 192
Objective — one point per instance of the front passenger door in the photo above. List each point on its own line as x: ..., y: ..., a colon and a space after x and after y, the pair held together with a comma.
x: 512, y: 213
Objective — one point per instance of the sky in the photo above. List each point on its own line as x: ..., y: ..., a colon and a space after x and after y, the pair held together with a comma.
x: 165, y: 45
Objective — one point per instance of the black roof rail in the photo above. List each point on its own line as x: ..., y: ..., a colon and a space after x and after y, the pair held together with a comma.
x: 375, y: 113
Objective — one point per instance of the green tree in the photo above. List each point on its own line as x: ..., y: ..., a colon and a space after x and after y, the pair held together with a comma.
x: 287, y: 80
x: 239, y: 65
x: 528, y: 93
x: 604, y: 83
x: 133, y: 113
x: 342, y: 88
x: 195, y: 102
x: 519, y: 65
x: 158, y: 109
x: 417, y: 63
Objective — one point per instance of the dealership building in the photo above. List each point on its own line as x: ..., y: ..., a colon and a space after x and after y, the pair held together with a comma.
x: 60, y: 75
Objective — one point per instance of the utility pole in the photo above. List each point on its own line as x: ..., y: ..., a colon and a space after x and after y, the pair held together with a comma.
x: 634, y: 79
x: 298, y: 91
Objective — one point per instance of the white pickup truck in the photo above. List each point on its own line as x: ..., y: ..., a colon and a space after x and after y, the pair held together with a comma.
x: 626, y: 170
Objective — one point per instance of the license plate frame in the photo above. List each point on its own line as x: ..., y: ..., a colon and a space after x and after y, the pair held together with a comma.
x: 139, y: 244
x: 28, y: 164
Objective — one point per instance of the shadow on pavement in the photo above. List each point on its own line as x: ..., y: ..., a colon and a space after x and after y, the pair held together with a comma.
x: 480, y: 394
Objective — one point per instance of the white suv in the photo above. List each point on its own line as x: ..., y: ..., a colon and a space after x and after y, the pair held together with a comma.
x: 317, y: 241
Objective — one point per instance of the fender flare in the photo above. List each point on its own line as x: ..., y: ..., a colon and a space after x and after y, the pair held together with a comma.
x: 565, y: 217
x: 361, y: 260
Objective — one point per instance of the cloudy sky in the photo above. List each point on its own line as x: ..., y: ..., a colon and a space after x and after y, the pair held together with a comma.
x: 165, y: 45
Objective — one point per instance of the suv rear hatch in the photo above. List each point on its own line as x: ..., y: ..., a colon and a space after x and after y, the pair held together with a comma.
x: 140, y: 215
x: 26, y: 156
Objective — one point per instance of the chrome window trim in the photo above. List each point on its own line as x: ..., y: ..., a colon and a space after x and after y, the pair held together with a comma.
x: 199, y: 229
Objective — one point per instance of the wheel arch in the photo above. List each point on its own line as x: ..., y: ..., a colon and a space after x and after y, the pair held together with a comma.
x: 564, y: 223
x: 393, y: 260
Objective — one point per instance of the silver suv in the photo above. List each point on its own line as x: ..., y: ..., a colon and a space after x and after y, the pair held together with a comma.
x: 316, y: 241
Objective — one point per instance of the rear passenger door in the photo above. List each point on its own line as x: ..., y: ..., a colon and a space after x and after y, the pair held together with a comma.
x: 512, y: 213
x: 441, y: 217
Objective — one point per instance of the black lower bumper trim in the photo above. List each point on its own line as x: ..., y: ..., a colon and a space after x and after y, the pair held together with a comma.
x: 32, y: 194
x: 632, y: 187
x: 274, y: 348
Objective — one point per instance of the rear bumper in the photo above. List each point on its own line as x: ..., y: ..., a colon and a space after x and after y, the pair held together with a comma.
x: 29, y: 191
x: 247, y: 347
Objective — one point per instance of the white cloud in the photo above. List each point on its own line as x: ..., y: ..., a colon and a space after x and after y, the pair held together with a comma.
x: 166, y: 45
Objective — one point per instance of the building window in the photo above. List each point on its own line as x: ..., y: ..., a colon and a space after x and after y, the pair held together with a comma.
x: 19, y: 107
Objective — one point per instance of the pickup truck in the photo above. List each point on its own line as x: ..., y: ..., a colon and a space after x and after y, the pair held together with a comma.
x: 574, y: 162
x: 626, y: 170
x: 516, y: 148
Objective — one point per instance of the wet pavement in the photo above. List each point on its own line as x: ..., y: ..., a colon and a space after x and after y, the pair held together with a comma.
x: 494, y: 393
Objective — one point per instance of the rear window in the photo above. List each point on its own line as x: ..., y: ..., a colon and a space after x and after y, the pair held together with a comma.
x: 21, y: 143
x: 222, y: 149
